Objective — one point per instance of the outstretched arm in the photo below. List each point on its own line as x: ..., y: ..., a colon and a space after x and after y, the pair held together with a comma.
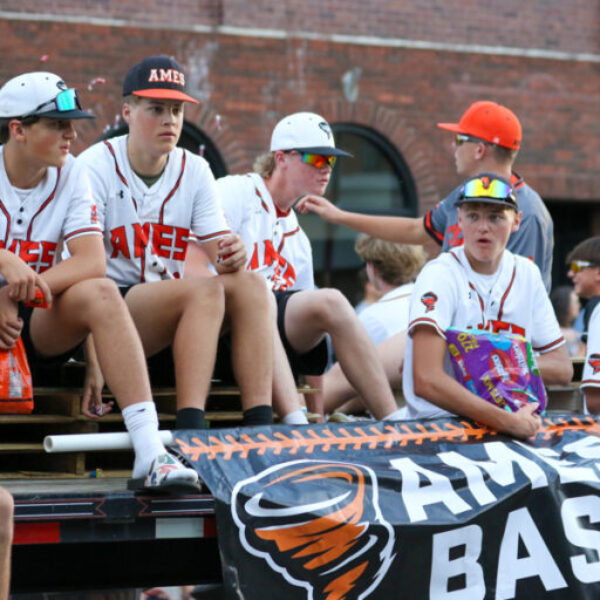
x: 402, y: 230
x: 434, y: 384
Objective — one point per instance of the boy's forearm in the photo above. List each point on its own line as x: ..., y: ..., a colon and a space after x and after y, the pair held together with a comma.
x: 555, y: 366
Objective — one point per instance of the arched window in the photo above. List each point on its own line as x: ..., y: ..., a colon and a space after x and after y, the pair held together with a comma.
x: 192, y: 139
x: 375, y: 181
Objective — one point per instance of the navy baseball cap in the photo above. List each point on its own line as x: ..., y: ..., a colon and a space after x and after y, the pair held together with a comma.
x: 488, y: 188
x: 160, y: 77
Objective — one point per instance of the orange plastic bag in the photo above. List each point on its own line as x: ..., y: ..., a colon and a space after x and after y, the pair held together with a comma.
x: 16, y: 389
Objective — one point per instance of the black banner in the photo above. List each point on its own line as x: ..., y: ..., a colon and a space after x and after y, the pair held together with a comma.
x: 442, y: 509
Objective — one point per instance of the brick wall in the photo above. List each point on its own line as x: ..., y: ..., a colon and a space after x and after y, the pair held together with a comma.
x: 252, y: 81
x: 548, y: 24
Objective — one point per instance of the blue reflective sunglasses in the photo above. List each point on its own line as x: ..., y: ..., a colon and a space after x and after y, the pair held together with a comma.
x: 64, y: 101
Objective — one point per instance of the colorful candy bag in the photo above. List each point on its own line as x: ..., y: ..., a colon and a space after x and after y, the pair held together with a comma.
x: 499, y: 368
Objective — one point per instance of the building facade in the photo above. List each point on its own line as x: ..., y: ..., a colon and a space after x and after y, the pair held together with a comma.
x: 382, y: 72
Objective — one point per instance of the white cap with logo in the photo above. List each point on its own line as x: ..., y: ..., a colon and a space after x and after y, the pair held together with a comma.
x: 306, y: 132
x: 41, y: 94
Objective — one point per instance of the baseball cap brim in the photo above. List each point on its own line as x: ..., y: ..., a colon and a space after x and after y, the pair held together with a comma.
x: 487, y: 201
x: 324, y: 150
x: 165, y: 94
x: 65, y: 114
x: 455, y: 127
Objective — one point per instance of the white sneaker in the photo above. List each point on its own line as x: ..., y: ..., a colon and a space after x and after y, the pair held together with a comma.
x: 338, y: 417
x: 169, y: 475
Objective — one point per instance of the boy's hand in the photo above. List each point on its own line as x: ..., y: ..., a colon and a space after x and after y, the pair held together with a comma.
x: 525, y: 423
x: 319, y: 205
x: 10, y: 322
x: 23, y: 280
x: 91, y: 401
x: 231, y: 254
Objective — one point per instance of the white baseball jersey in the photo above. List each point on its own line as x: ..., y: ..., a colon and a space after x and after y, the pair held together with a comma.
x: 32, y: 222
x: 591, y: 369
x: 147, y: 229
x: 389, y: 315
x: 448, y: 293
x: 277, y: 247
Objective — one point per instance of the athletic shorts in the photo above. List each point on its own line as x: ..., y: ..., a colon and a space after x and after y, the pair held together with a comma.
x: 313, y: 362
x: 42, y: 366
x: 162, y: 368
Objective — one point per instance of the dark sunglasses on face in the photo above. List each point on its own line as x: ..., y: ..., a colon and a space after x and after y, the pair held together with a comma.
x: 461, y: 138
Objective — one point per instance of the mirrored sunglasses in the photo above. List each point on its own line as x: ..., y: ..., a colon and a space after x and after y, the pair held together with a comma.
x: 65, y: 101
x: 484, y: 187
x: 577, y: 265
x: 317, y: 160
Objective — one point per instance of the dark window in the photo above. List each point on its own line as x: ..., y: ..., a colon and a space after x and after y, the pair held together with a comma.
x: 192, y: 139
x: 375, y: 181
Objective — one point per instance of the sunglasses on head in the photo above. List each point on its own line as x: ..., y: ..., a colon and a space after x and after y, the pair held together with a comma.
x: 577, y: 265
x: 64, y: 101
x: 316, y: 160
x: 484, y: 187
x: 461, y: 138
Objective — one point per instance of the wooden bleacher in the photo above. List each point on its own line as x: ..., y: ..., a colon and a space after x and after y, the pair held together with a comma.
x: 57, y: 411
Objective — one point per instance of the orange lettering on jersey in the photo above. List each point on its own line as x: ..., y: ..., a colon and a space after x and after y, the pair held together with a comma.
x: 169, y: 241
x: 504, y: 327
x: 140, y: 234
x: 47, y: 257
x: 118, y: 241
x: 38, y: 255
x: 28, y: 251
x: 180, y: 243
x: 253, y: 264
x: 160, y: 241
x: 289, y: 276
x: 270, y: 255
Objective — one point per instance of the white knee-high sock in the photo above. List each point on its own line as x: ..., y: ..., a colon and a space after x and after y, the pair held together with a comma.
x: 141, y: 421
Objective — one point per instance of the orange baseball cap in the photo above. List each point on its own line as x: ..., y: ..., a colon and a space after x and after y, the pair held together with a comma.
x: 490, y: 122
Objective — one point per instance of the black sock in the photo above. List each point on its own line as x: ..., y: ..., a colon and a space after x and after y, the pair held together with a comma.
x: 258, y: 415
x: 190, y: 418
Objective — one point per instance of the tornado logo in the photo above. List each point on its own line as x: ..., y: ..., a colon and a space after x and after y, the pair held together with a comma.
x: 319, y: 525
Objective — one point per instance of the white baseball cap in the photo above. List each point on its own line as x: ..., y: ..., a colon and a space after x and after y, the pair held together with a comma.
x: 40, y: 94
x: 306, y: 132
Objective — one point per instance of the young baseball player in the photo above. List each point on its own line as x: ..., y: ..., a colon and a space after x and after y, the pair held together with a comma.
x: 392, y: 269
x: 45, y: 197
x: 584, y: 270
x: 487, y: 139
x: 259, y: 206
x: 151, y: 195
x: 480, y: 285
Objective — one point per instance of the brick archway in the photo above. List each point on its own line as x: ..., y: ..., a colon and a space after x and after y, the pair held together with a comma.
x: 206, y: 118
x: 414, y: 149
